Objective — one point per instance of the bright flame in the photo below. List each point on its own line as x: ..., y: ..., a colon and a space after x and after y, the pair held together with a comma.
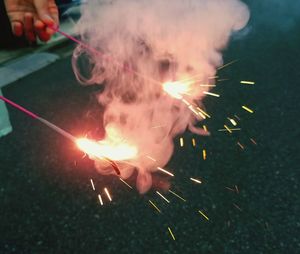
x: 177, y: 88
x: 102, y: 149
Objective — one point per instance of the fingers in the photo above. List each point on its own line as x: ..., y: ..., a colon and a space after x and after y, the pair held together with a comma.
x: 48, y: 13
x: 17, y: 28
x: 29, y: 28
x: 43, y: 11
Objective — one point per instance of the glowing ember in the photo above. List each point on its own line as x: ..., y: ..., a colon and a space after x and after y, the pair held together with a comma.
x: 103, y: 150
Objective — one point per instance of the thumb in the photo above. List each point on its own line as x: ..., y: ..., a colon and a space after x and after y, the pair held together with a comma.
x: 43, y: 11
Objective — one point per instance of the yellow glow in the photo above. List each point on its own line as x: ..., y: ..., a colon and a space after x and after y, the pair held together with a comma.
x: 177, y: 88
x: 248, y: 109
x: 171, y: 233
x: 102, y: 149
x: 202, y: 213
x: 246, y: 82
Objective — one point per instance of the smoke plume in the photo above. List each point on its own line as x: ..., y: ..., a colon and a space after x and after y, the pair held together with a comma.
x: 146, y: 43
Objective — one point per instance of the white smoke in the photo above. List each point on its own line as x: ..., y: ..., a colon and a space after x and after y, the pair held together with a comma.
x: 147, y: 42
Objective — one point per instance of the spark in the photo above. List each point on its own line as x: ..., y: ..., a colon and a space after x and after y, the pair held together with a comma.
x: 181, y: 142
x: 245, y: 82
x: 156, y: 208
x: 102, y: 150
x: 203, y: 112
x: 237, y: 207
x: 196, y: 180
x: 202, y: 115
x: 203, y: 215
x: 240, y: 145
x: 165, y: 171
x: 149, y: 157
x: 233, y: 122
x: 253, y: 141
x: 211, y: 94
x: 107, y: 194
x: 177, y: 89
x: 192, y: 108
x: 193, y: 142
x: 229, y: 189
x: 205, y: 128
x: 100, y: 199
x: 237, y: 189
x: 237, y: 117
x: 92, y: 183
x: 223, y: 79
x: 208, y: 85
x: 162, y: 196
x: 228, y: 129
x: 248, y: 109
x: 228, y: 64
x: 204, y: 154
x: 125, y: 183
x: 171, y: 233
x: 232, y: 129
x: 175, y: 194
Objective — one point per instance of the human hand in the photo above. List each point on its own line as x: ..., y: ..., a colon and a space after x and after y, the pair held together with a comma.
x: 33, y: 18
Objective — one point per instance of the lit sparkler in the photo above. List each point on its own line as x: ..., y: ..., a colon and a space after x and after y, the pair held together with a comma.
x: 99, y: 150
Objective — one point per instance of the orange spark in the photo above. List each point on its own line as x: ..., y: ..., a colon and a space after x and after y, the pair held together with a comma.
x: 193, y: 142
x: 204, y: 154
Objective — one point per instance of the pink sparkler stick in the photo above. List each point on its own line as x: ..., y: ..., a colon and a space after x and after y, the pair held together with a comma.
x: 24, y: 110
x: 42, y: 120
x: 101, y: 54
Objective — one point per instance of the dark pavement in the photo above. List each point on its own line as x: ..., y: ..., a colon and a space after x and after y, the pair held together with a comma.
x: 48, y: 205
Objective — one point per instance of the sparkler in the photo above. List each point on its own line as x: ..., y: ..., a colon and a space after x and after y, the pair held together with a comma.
x: 95, y: 149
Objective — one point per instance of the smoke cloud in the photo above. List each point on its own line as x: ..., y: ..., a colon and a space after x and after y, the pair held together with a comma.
x: 146, y: 43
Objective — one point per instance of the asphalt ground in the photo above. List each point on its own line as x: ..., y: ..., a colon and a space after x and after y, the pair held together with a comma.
x: 48, y: 205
